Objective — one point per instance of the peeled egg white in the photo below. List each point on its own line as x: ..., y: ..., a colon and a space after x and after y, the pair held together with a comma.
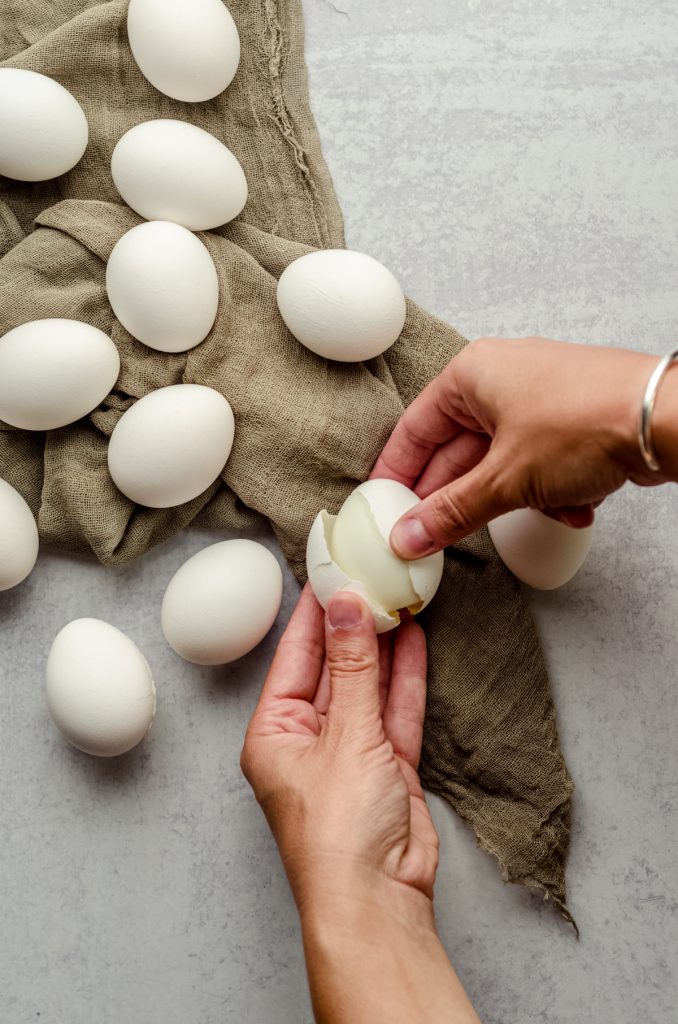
x: 171, y: 170
x: 18, y: 538
x: 222, y: 602
x: 43, y: 129
x: 342, y: 305
x: 163, y: 286
x: 54, y: 372
x: 171, y: 445
x: 100, y: 689
x: 351, y: 551
x: 540, y: 551
x: 188, y: 49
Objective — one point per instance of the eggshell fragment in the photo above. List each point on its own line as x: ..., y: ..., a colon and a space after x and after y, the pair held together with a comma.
x: 100, y: 689
x: 54, y: 372
x: 540, y: 551
x: 43, y: 129
x: 188, y: 49
x: 163, y: 286
x: 377, y: 576
x: 342, y: 305
x: 222, y: 602
x: 171, y: 170
x: 171, y: 445
x: 18, y: 538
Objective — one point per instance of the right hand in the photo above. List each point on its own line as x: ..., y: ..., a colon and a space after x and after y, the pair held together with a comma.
x: 515, y: 423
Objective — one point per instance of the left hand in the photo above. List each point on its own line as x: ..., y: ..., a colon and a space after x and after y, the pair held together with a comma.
x: 332, y: 753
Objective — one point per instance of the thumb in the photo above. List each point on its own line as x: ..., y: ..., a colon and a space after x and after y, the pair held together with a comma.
x: 452, y: 513
x: 352, y: 655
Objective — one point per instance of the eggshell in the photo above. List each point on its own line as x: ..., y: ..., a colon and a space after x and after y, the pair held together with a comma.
x: 540, y: 551
x: 388, y: 500
x: 171, y: 170
x: 188, y: 49
x: 163, y: 286
x: 43, y: 129
x: 18, y: 538
x: 327, y: 578
x: 171, y: 445
x: 222, y: 602
x: 100, y: 689
x: 342, y: 305
x: 54, y: 372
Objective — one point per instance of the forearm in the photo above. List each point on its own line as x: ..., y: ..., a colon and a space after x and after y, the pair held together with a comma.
x: 376, y: 956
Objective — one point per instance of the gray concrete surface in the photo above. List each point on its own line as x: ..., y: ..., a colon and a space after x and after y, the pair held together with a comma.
x: 516, y: 164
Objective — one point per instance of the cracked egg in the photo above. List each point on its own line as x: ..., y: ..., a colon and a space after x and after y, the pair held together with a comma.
x: 351, y: 551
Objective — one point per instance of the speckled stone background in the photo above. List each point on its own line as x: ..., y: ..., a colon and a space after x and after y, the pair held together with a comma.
x: 515, y: 163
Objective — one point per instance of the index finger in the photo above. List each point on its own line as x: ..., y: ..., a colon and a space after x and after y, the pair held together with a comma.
x: 295, y: 670
x: 424, y: 426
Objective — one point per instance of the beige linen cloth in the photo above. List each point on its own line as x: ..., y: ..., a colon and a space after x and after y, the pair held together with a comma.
x: 307, y: 430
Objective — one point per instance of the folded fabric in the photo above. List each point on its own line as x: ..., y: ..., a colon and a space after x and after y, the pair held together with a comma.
x: 307, y: 430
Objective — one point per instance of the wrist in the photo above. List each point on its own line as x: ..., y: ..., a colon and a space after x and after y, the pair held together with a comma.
x: 345, y: 900
x: 664, y: 425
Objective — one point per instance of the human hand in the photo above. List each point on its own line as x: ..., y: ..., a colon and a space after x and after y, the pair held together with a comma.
x: 516, y: 423
x: 332, y: 753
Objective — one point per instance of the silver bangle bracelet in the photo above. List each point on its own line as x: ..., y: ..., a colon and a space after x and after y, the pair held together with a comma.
x: 649, y: 398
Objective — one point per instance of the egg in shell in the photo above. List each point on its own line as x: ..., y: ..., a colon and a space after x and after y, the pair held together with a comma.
x: 100, y: 689
x: 540, y: 551
x: 18, y: 538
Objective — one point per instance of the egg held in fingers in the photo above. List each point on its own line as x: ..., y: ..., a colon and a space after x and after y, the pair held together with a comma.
x: 351, y: 551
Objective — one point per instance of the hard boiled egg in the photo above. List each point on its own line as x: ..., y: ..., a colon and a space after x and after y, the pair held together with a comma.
x: 351, y: 551
x: 18, y: 538
x: 43, y: 129
x: 54, y: 372
x: 540, y: 551
x: 171, y: 445
x: 163, y: 286
x: 171, y: 170
x: 222, y: 602
x: 342, y: 305
x: 100, y: 689
x: 188, y: 49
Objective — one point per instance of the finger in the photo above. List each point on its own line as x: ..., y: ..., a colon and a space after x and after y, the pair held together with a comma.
x: 452, y: 460
x: 321, y: 701
x: 576, y: 516
x: 406, y: 704
x: 353, y: 660
x: 298, y: 660
x: 385, y: 641
x: 453, y: 512
x: 424, y: 426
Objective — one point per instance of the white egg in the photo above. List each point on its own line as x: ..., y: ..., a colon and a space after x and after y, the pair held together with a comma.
x: 351, y: 551
x: 170, y: 170
x: 540, y: 551
x: 222, y: 602
x: 188, y: 49
x: 18, y: 538
x: 342, y: 305
x: 54, y: 372
x: 100, y: 689
x: 163, y: 286
x: 43, y: 129
x: 171, y: 445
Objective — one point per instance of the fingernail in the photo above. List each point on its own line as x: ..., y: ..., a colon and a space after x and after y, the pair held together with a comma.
x: 410, y: 539
x: 345, y: 611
